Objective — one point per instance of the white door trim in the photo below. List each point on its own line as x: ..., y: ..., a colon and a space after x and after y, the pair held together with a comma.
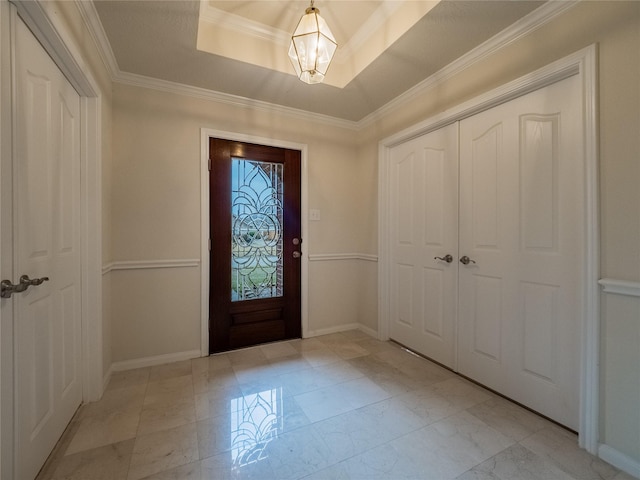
x: 58, y: 43
x: 205, y: 135
x: 582, y: 63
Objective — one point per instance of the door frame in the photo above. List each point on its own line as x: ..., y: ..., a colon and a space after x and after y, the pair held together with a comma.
x: 57, y: 41
x: 584, y: 64
x: 205, y: 135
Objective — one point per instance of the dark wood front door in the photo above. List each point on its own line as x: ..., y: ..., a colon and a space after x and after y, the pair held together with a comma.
x: 255, y: 244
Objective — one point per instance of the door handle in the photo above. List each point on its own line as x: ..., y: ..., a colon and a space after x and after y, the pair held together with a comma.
x: 7, y: 288
x: 447, y: 258
x: 466, y: 260
x: 297, y: 254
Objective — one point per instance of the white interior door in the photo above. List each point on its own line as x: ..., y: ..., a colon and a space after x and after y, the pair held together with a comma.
x: 424, y: 199
x: 46, y: 228
x: 522, y: 225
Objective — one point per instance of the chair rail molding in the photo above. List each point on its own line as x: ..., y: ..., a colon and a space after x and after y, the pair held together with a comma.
x: 328, y: 257
x: 148, y: 264
x: 620, y: 287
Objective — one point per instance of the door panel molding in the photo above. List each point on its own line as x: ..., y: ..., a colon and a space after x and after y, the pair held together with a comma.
x: 583, y: 64
x: 205, y: 135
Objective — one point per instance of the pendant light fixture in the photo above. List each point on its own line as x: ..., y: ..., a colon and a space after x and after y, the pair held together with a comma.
x: 312, y: 46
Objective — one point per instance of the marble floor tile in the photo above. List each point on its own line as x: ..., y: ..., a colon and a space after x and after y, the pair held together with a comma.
x: 129, y: 378
x: 163, y: 450
x: 508, y: 418
x: 298, y: 453
x: 166, y: 413
x: 110, y: 462
x: 99, y: 430
x: 303, y: 381
x: 461, y: 392
x: 189, y: 471
x: 320, y: 356
x: 116, y: 400
x: 342, y: 406
x: 337, y: 372
x: 322, y: 403
x: 235, y: 466
x: 349, y: 350
x: 205, y: 381
x: 288, y: 363
x: 254, y: 372
x: 355, y: 335
x: 515, y: 463
x: 170, y: 370
x: 450, y: 447
x: 179, y: 386
x: 216, y: 402
x: 381, y: 463
x: 559, y: 446
x: 212, y: 362
x: 278, y: 349
x: 218, y: 434
x: 307, y: 345
x: 334, y: 338
x: 340, y: 398
x: 360, y: 430
x: 245, y: 356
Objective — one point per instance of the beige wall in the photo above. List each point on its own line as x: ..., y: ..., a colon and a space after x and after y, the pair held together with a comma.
x: 156, y: 199
x: 156, y: 214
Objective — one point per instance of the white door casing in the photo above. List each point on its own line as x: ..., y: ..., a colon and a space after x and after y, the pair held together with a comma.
x: 582, y: 64
x: 424, y: 195
x: 522, y: 223
x: 47, y: 244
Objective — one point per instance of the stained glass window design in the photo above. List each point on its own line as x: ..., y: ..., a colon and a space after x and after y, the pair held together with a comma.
x: 256, y: 229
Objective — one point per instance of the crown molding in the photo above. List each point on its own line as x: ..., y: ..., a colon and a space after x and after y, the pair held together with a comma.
x: 243, y: 25
x: 519, y: 29
x: 91, y: 19
x: 234, y: 100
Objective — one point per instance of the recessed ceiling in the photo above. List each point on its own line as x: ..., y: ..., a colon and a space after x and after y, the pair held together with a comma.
x: 363, y: 30
x: 240, y: 47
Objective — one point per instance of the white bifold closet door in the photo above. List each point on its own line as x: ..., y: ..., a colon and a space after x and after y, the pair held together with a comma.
x: 424, y: 225
x: 510, y: 317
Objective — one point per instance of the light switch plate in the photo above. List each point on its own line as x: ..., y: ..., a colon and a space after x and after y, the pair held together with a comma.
x: 314, y: 215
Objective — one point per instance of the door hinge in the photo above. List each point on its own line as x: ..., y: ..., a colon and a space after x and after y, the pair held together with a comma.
x: 209, y: 244
x: 209, y: 165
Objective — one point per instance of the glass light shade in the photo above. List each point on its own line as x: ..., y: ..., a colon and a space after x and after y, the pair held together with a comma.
x: 312, y: 47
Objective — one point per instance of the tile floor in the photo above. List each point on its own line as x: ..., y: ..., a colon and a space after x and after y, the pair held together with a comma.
x: 341, y: 406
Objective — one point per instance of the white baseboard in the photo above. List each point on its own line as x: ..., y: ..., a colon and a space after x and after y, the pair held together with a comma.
x: 155, y: 360
x: 369, y: 331
x: 330, y: 330
x: 619, y: 460
x: 342, y: 328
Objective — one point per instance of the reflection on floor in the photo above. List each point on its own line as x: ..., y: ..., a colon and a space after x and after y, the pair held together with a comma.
x: 341, y: 406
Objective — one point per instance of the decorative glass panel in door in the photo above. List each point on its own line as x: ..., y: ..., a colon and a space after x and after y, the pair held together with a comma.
x: 255, y: 236
x: 256, y: 225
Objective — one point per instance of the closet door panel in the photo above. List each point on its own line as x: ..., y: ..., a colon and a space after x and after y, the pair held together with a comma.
x: 521, y: 225
x: 424, y: 207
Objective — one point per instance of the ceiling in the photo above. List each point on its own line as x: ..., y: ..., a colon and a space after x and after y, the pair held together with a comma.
x: 237, y: 47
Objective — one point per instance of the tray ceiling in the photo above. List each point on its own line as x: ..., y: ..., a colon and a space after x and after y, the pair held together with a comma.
x: 240, y: 47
